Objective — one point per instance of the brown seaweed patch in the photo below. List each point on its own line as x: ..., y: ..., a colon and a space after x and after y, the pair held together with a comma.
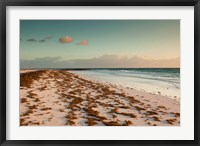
x: 111, y: 123
x: 175, y: 114
x: 149, y: 123
x: 46, y: 108
x: 151, y: 113
x: 132, y: 100
x: 127, y: 114
x: 42, y: 88
x: 162, y: 107
x: 94, y: 113
x: 127, y: 123
x: 114, y: 116
x: 23, y: 100
x: 139, y: 108
x: 32, y: 107
x: 156, y: 118
x: 27, y: 113
x: 61, y: 110
x: 31, y: 94
x: 22, y: 121
x: 171, y: 121
x: 124, y: 107
x: 37, y: 100
x: 26, y: 79
x: 91, y: 121
x: 74, y: 102
x: 115, y: 110
x: 70, y: 117
x: 35, y: 123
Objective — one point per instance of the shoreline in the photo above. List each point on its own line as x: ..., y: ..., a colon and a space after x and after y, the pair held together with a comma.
x: 59, y: 97
x: 145, y: 85
x: 127, y: 89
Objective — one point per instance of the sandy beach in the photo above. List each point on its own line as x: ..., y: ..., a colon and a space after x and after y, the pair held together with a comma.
x: 64, y: 98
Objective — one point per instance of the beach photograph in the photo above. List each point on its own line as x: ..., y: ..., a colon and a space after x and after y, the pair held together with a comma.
x: 99, y: 73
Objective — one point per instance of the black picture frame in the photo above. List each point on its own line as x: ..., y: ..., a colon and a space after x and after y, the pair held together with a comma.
x: 5, y: 3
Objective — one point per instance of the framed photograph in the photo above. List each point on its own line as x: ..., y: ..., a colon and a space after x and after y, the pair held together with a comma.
x: 99, y: 72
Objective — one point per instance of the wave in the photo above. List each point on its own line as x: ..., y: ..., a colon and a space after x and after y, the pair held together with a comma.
x: 162, y: 75
x: 164, y: 81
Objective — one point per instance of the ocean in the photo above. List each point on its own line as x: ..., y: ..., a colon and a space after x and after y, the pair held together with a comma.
x: 164, y: 81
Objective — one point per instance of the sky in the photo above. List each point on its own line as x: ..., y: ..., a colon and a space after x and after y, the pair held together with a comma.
x: 99, y: 43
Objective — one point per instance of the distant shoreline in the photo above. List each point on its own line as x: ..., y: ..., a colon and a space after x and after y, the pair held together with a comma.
x: 89, y: 68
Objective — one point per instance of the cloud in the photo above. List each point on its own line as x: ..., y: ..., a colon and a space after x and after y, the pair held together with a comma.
x: 42, y: 41
x: 66, y: 39
x: 106, y: 61
x: 49, y: 37
x: 32, y: 40
x: 83, y: 43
